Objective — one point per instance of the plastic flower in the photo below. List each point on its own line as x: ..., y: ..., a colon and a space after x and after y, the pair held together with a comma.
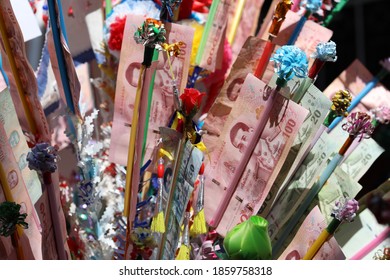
x: 290, y: 61
x: 326, y: 51
x: 117, y: 29
x: 341, y: 101
x: 311, y: 5
x: 10, y: 217
x: 150, y: 33
x: 345, y: 210
x: 191, y: 100
x: 42, y: 157
x: 359, y: 123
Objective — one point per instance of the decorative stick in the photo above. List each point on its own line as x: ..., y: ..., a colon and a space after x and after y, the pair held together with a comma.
x: 369, y: 86
x: 372, y: 245
x: 151, y: 32
x: 279, y: 16
x: 236, y: 20
x: 311, y: 6
x: 340, y: 5
x: 344, y: 211
x: 324, y: 52
x: 43, y: 159
x: 205, y: 35
x: 357, y: 125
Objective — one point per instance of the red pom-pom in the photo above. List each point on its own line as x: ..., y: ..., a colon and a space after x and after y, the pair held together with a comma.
x: 117, y: 29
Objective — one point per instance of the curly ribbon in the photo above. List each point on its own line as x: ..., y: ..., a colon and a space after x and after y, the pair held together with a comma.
x: 150, y: 33
x: 290, y: 61
x: 359, y: 124
x: 345, y: 210
x: 326, y: 51
x: 43, y: 158
x: 10, y: 218
x: 311, y: 5
x: 340, y: 102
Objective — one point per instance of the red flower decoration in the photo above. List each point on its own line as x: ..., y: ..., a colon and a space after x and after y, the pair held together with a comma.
x: 191, y: 99
x: 117, y: 29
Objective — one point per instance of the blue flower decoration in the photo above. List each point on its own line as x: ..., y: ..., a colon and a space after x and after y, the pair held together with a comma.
x: 312, y: 5
x: 42, y: 157
x: 326, y: 51
x: 290, y: 61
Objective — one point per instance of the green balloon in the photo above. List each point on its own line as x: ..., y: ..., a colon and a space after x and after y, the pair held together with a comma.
x: 249, y: 240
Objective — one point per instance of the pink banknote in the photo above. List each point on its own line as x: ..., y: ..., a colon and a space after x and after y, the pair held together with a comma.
x: 265, y: 162
x: 308, y: 232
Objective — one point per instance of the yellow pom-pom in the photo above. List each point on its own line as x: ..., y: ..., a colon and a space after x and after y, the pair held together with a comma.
x: 158, y: 223
x: 199, y: 225
x: 184, y: 253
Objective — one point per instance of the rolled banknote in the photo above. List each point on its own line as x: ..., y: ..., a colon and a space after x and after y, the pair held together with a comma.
x: 310, y: 229
x: 163, y: 101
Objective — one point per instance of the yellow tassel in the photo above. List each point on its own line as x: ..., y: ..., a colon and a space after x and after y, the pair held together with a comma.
x: 158, y: 223
x: 184, y: 253
x: 199, y: 225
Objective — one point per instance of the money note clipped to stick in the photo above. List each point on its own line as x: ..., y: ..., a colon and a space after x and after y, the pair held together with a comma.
x: 163, y: 101
x: 244, y: 120
x: 339, y: 186
x: 298, y: 187
x: 318, y: 105
x: 310, y: 229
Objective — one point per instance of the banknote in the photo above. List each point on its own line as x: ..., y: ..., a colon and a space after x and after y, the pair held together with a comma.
x: 264, y: 165
x: 339, y: 186
x: 127, y: 81
x: 26, y: 75
x: 18, y: 145
x: 354, y: 78
x: 224, y: 102
x: 360, y: 160
x: 310, y: 229
x: 318, y: 106
x: 303, y: 179
x: 247, y: 25
x: 191, y: 161
x: 18, y: 192
x: 244, y: 121
x: 354, y: 236
x: 212, y: 56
